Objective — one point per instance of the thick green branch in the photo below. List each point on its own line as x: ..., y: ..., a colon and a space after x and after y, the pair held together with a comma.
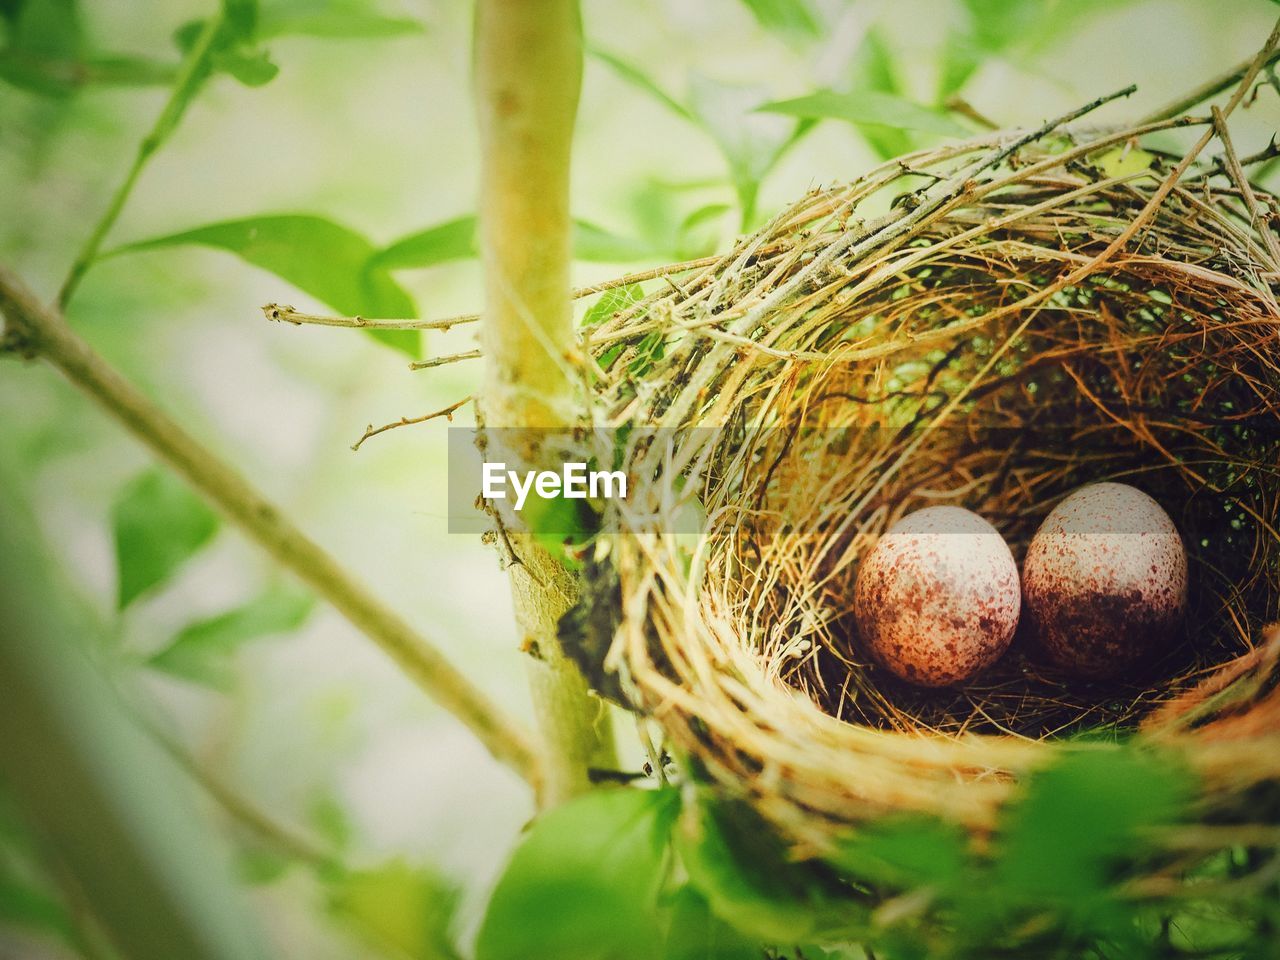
x: 528, y: 72
x: 37, y: 331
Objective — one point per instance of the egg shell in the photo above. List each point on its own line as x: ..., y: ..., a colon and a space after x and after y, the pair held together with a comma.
x: 1105, y: 581
x: 937, y: 597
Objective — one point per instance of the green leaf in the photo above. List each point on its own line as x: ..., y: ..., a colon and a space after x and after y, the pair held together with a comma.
x: 200, y: 41
x: 695, y: 933
x: 405, y: 911
x: 584, y: 882
x: 43, y: 46
x: 57, y: 77
x: 593, y: 244
x: 703, y: 214
x: 791, y: 18
x: 752, y: 142
x: 868, y: 107
x: 253, y: 68
x: 611, y: 302
x: 996, y: 25
x: 873, y: 64
x: 231, y: 52
x: 635, y: 76
x: 185, y: 37
x: 1122, y: 161
x: 961, y: 57
x: 344, y: 22
x: 739, y: 865
x: 202, y: 651
x: 323, y: 259
x: 873, y: 69
x: 697, y: 235
x: 906, y: 854
x: 842, y: 952
x: 330, y: 820
x: 241, y: 17
x: 995, y: 29
x: 452, y: 240
x: 1211, y: 929
x: 159, y: 523
x: 457, y: 240
x: 559, y: 524
x: 261, y: 867
x: 49, y: 27
x: 1076, y: 819
x: 651, y: 348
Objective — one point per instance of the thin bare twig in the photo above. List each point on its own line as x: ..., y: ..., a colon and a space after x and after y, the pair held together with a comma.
x: 284, y: 313
x: 1258, y: 219
x: 442, y: 360
x: 447, y: 413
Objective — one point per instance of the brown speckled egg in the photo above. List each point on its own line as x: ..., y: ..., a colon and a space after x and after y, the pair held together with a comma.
x: 937, y: 597
x: 1104, y: 582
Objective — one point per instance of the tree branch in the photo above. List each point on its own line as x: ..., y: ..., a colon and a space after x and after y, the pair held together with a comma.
x: 193, y: 72
x: 528, y: 71
x: 447, y: 413
x: 1211, y: 88
x: 441, y: 361
x: 38, y: 331
x: 282, y: 313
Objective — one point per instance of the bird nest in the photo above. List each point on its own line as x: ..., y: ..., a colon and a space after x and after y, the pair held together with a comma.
x: 990, y: 324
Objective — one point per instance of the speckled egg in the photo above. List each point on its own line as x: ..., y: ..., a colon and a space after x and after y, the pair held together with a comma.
x: 937, y: 598
x: 1104, y: 582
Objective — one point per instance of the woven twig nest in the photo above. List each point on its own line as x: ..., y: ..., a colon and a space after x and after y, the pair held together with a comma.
x: 991, y: 324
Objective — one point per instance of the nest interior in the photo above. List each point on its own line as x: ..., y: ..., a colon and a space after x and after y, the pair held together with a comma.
x: 992, y: 325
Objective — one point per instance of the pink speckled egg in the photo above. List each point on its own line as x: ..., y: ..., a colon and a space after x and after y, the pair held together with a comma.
x: 1105, y: 580
x: 937, y: 597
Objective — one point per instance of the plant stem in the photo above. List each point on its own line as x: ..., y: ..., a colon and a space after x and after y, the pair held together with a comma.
x: 284, y: 839
x: 195, y: 69
x: 34, y: 330
x: 528, y: 72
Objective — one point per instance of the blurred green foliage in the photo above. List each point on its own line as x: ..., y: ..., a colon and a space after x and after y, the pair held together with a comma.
x: 869, y: 108
x: 585, y: 882
x: 158, y: 523
x: 202, y: 651
x: 1049, y: 885
x: 402, y: 910
x: 135, y: 865
x: 623, y: 873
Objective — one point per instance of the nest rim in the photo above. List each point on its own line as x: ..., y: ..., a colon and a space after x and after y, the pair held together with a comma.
x: 722, y: 703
